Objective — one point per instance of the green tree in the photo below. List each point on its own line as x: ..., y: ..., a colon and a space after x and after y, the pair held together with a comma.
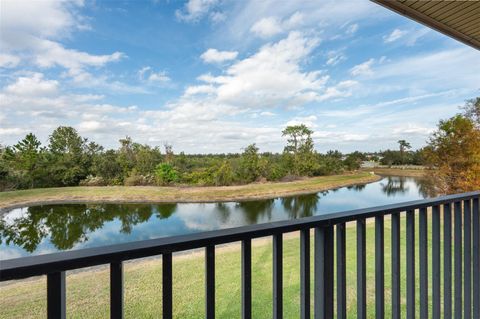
x: 166, y: 174
x: 453, y: 153
x: 25, y: 158
x: 471, y: 110
x: 404, y: 146
x: 68, y: 161
x: 249, y: 164
x: 224, y: 175
x: 300, y: 146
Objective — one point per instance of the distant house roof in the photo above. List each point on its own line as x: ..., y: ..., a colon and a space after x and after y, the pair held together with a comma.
x: 457, y: 19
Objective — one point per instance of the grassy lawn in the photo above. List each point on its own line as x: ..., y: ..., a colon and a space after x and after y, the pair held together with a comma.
x: 180, y: 194
x: 407, y: 172
x: 88, y: 292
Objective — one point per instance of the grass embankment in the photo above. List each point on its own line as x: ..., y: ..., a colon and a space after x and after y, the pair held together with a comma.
x: 88, y: 292
x: 179, y: 194
x: 406, y: 172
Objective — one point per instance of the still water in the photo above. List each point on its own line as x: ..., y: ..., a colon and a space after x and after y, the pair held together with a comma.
x: 45, y: 229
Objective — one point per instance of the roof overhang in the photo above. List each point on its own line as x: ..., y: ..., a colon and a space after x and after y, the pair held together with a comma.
x: 457, y: 19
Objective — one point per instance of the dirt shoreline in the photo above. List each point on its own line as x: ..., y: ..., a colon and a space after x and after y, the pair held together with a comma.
x: 190, y: 194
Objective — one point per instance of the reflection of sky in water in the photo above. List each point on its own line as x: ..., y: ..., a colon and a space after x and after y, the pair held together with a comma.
x: 190, y: 218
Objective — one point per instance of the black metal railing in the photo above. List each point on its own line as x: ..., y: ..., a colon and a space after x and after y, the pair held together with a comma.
x: 466, y: 262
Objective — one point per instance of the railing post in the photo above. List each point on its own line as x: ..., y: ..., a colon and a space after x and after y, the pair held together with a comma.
x: 436, y: 261
x: 476, y: 257
x: 447, y: 260
x: 467, y: 259
x: 116, y: 290
x: 167, y: 300
x: 56, y: 306
x: 361, y: 270
x: 379, y: 269
x: 423, y: 242
x: 396, y: 310
x: 341, y: 273
x: 324, y: 271
x: 410, y: 264
x: 278, y: 276
x: 210, y: 282
x: 457, y: 261
x: 305, y: 274
x: 246, y: 279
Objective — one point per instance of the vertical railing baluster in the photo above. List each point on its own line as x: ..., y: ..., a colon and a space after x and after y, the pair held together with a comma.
x: 423, y: 241
x: 277, y: 276
x: 476, y: 257
x: 467, y: 259
x: 167, y: 300
x: 210, y: 282
x: 305, y: 274
x: 447, y: 260
x: 56, y: 295
x: 246, y: 279
x: 323, y: 268
x: 436, y: 261
x: 410, y: 264
x: 341, y: 273
x: 116, y: 290
x: 379, y: 269
x: 458, y: 259
x: 396, y: 310
x: 361, y: 270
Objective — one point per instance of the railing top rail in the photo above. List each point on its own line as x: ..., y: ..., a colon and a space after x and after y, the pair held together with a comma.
x: 24, y: 267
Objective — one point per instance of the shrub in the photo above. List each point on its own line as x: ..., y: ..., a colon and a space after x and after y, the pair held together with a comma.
x: 93, y: 181
x: 166, y: 174
x: 139, y: 180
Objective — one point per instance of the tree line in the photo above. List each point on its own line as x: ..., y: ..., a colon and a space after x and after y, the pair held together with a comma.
x: 70, y: 160
x: 452, y: 153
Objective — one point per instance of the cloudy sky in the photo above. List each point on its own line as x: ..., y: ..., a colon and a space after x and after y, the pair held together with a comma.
x: 217, y: 75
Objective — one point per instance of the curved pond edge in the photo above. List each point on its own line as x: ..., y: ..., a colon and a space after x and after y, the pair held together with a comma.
x: 221, y: 199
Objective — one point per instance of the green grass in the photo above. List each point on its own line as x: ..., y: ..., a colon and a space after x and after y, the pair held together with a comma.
x: 87, y: 292
x: 180, y: 194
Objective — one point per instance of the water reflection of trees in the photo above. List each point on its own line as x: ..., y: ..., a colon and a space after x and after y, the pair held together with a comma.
x: 395, y: 185
x: 399, y: 185
x: 254, y: 210
x: 67, y: 225
x: 300, y: 206
x: 357, y: 188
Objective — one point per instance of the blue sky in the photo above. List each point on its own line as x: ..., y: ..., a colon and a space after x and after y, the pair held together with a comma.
x: 217, y: 75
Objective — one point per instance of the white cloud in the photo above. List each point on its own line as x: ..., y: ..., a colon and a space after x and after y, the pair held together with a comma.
x: 394, y: 36
x: 194, y: 10
x: 422, y: 73
x: 270, y: 26
x: 38, y: 38
x: 8, y: 60
x: 309, y: 121
x: 215, y: 56
x: 352, y: 29
x: 267, y: 27
x: 272, y: 77
x: 46, y: 18
x: 267, y: 113
x: 148, y: 75
x: 335, y: 57
x: 329, y: 15
x: 33, y: 85
x: 364, y: 68
x: 217, y: 17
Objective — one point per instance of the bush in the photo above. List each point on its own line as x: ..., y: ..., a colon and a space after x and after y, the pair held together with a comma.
x: 166, y: 174
x: 139, y: 180
x: 93, y: 181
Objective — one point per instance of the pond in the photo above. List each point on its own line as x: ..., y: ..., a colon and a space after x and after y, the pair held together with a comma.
x: 45, y: 229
